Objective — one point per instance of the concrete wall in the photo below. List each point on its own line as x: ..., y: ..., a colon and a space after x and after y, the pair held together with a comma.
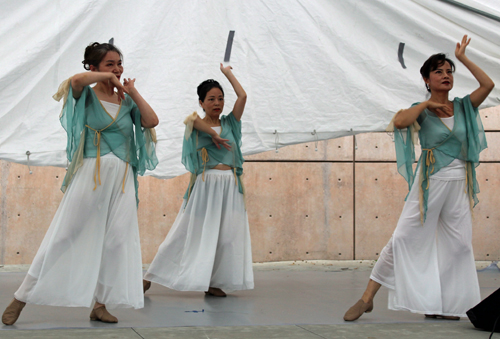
x: 334, y: 203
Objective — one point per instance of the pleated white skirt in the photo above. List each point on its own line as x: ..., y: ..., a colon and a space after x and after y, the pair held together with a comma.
x: 209, y: 243
x: 91, y: 250
x: 430, y: 269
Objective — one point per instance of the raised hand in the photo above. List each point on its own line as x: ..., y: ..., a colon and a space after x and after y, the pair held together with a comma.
x: 225, y: 70
x: 115, y: 83
x: 129, y: 84
x: 460, y: 49
x: 219, y: 141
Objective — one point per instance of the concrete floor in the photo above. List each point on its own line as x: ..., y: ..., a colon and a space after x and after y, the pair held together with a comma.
x: 291, y: 300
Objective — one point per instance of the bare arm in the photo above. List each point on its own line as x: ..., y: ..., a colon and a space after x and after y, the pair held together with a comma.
x: 201, y: 125
x: 149, y: 119
x: 239, y: 105
x: 408, y: 116
x: 486, y: 85
x: 80, y: 80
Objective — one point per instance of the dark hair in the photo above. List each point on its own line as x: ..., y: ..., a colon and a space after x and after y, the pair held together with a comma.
x: 95, y: 52
x: 206, y: 86
x: 431, y: 64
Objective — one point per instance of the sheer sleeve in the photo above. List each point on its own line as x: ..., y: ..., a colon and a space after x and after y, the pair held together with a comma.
x: 235, y: 126
x: 404, y: 141
x: 145, y: 143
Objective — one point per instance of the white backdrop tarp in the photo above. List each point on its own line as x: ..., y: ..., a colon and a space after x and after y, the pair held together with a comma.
x: 325, y: 65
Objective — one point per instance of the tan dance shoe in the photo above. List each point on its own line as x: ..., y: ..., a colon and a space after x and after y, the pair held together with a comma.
x: 216, y: 292
x: 12, y: 312
x: 146, y: 285
x: 102, y: 314
x: 358, y: 309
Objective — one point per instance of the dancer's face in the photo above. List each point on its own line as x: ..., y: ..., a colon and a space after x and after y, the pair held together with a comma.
x: 110, y: 63
x: 441, y: 79
x: 213, y: 103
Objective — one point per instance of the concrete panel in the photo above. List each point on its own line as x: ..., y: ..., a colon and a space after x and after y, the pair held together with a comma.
x: 375, y: 146
x: 380, y: 193
x: 299, y: 211
x: 490, y: 118
x: 492, y: 153
x: 31, y: 201
x: 486, y: 233
x: 160, y: 202
x: 329, y: 150
x: 378, y: 147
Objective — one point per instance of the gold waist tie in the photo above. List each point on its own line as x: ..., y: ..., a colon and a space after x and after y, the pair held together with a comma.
x: 97, y: 171
x: 429, y: 160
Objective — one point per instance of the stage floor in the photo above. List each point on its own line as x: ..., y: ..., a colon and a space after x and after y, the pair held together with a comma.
x: 290, y: 300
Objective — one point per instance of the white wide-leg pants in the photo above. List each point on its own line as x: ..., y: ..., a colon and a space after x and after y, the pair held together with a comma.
x: 430, y: 269
x: 209, y: 243
x: 91, y: 250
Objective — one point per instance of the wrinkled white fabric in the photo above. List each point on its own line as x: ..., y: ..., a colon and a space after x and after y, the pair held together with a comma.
x: 91, y: 250
x: 430, y: 269
x: 323, y: 65
x: 209, y: 242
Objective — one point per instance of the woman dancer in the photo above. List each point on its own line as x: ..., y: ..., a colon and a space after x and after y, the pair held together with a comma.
x: 428, y: 264
x: 91, y: 252
x: 208, y: 248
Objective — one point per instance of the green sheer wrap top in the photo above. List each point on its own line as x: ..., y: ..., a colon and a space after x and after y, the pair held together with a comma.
x: 92, y: 132
x: 199, y: 152
x: 440, y: 146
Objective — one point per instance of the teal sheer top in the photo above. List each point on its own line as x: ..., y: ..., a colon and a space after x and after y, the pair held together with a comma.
x: 440, y: 146
x: 199, y: 152
x: 93, y: 132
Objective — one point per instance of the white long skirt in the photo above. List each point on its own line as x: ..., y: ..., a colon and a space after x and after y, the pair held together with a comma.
x: 209, y: 243
x: 430, y: 269
x: 91, y: 251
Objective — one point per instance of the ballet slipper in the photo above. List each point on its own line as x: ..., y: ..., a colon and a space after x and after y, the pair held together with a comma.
x: 102, y: 314
x: 216, y: 292
x: 358, y: 309
x: 146, y: 285
x: 12, y: 312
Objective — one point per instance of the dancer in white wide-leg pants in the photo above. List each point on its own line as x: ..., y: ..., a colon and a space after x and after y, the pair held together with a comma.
x: 91, y: 254
x: 208, y: 248
x: 428, y: 264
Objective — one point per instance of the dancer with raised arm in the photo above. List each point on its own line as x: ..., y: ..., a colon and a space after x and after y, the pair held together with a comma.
x: 208, y: 247
x: 91, y: 252
x: 428, y: 264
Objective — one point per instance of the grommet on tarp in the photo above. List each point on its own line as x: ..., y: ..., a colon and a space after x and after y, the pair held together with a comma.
x: 391, y: 135
x: 316, y: 142
x: 28, y: 155
x: 276, y: 140
x: 493, y: 266
x: 355, y: 141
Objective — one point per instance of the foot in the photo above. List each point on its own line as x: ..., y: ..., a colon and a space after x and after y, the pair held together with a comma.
x: 103, y: 315
x: 12, y: 312
x: 146, y: 285
x: 216, y: 292
x: 358, y: 309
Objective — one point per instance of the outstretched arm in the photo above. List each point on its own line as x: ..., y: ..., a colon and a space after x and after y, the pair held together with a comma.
x: 485, y: 83
x: 149, y: 119
x: 239, y: 105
